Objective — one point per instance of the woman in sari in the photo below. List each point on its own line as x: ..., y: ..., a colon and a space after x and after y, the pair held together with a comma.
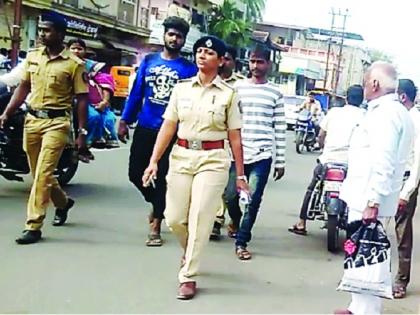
x: 101, y: 120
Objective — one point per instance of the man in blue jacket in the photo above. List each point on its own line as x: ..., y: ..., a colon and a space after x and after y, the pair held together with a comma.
x: 155, y: 79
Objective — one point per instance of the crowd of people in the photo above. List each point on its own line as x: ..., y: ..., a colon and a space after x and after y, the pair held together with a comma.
x: 207, y: 139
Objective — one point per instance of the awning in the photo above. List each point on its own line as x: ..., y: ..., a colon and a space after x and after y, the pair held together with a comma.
x: 125, y: 48
x: 90, y: 43
x: 308, y: 68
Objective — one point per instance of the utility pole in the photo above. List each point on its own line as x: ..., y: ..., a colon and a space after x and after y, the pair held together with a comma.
x: 329, y: 47
x: 16, y: 31
x: 340, y: 54
x: 334, y: 33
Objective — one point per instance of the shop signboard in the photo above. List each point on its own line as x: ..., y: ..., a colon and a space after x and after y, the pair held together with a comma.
x: 81, y: 28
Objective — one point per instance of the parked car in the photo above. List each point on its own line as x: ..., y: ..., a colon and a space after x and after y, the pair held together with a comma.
x: 291, y: 105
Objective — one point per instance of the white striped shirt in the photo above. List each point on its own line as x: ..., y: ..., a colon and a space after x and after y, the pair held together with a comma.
x: 263, y: 122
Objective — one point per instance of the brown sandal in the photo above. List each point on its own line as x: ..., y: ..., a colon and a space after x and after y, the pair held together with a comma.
x: 242, y: 253
x: 297, y: 230
x: 154, y: 240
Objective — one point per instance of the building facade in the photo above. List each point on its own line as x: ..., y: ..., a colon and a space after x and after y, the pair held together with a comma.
x: 114, y: 30
x: 303, y: 64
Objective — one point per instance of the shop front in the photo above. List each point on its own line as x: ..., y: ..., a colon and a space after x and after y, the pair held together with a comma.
x: 298, y: 75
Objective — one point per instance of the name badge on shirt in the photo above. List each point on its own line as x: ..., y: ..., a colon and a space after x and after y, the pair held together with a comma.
x: 185, y: 103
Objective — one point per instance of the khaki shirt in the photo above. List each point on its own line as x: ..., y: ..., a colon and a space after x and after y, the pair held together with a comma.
x: 234, y: 78
x: 54, y: 82
x: 203, y: 113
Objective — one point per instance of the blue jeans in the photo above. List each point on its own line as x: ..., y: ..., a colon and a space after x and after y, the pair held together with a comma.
x: 257, y: 174
x: 100, y: 125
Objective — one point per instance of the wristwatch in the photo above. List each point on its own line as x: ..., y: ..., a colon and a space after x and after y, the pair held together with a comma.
x: 83, y: 131
x: 373, y: 204
x: 242, y: 177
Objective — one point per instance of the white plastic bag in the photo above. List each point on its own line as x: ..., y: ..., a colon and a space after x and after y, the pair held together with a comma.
x: 367, y: 266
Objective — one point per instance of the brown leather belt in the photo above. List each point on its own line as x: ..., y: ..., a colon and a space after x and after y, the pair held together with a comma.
x: 201, y: 145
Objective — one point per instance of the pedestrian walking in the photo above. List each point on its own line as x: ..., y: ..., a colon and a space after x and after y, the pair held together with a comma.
x: 227, y: 73
x: 52, y: 77
x: 378, y: 155
x: 204, y: 113
x: 155, y: 80
x: 264, y: 127
x: 407, y: 92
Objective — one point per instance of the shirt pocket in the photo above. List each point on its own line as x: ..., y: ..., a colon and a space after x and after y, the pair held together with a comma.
x: 185, y: 107
x: 58, y: 81
x: 34, y: 73
x: 217, y: 114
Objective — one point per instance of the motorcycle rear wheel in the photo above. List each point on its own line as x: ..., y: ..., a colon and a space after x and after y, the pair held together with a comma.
x: 332, y: 233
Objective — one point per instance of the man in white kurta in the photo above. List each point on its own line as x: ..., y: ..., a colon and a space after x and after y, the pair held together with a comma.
x: 378, y: 155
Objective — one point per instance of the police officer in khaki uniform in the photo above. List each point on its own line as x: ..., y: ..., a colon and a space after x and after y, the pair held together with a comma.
x: 228, y: 75
x: 52, y: 76
x: 204, y: 112
x: 227, y: 71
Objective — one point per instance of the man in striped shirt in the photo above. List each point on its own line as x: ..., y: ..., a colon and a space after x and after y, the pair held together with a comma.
x: 263, y: 136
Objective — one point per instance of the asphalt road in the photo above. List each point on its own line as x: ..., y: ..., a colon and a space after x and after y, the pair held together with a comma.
x: 98, y: 262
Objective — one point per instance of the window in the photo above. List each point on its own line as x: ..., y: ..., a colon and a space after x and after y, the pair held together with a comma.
x: 154, y: 11
x: 73, y: 3
x: 126, y: 11
x: 198, y: 19
x: 132, y: 2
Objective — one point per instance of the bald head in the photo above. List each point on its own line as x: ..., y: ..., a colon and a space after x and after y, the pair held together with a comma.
x: 381, y: 78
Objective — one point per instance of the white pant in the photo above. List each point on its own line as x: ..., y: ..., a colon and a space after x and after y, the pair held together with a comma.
x: 363, y: 303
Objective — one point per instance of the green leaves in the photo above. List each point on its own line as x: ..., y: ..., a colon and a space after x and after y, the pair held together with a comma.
x: 227, y: 22
x: 254, y: 10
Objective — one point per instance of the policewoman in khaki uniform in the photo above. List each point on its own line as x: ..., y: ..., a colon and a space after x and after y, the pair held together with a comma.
x: 53, y: 76
x: 205, y: 113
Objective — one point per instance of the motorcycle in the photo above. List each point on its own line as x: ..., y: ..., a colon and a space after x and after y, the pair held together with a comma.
x: 305, y: 132
x: 13, y: 160
x: 325, y: 203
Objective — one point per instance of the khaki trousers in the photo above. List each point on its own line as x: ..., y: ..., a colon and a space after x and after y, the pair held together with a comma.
x: 404, y: 233
x: 220, y: 216
x: 196, y: 181
x: 44, y: 141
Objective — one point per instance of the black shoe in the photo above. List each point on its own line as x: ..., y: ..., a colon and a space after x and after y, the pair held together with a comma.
x: 215, y: 233
x: 29, y: 237
x: 61, y: 214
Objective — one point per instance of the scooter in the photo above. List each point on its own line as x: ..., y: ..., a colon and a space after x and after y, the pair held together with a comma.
x: 13, y: 160
x: 305, y: 132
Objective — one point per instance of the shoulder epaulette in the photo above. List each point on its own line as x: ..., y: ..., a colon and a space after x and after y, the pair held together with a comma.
x: 34, y: 49
x: 227, y: 85
x: 77, y: 59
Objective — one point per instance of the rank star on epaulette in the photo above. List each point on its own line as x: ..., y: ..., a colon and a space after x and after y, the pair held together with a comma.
x: 209, y: 43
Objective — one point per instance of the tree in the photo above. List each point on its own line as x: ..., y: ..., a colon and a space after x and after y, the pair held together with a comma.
x: 226, y: 23
x: 254, y: 9
x: 379, y: 55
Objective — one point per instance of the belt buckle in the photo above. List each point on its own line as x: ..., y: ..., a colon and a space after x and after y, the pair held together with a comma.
x: 195, y: 145
x: 42, y: 114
